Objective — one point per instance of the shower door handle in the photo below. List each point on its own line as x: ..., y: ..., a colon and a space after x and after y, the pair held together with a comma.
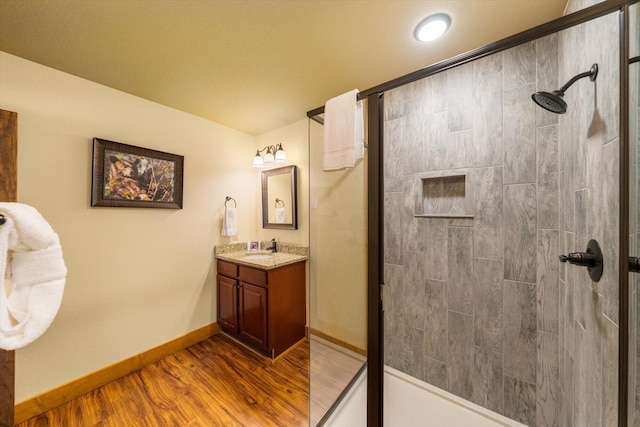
x: 592, y: 259
x: 634, y: 264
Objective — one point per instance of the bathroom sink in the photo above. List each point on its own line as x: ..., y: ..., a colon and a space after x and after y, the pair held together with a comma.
x: 258, y: 256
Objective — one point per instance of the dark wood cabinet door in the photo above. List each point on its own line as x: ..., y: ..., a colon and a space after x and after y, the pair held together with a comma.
x: 227, y: 303
x: 253, y: 314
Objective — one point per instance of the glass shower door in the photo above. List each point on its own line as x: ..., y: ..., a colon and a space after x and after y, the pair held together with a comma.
x: 338, y: 274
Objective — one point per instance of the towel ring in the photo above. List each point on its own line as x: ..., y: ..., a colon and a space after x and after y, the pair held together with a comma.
x: 235, y: 205
x: 2, y: 219
x: 279, y: 201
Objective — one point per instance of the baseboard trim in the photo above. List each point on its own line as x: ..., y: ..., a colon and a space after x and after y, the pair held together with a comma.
x: 339, y: 342
x: 53, y: 398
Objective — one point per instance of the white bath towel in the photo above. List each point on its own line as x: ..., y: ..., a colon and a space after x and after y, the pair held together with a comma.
x: 229, y: 222
x: 343, y: 131
x: 32, y: 275
x: 279, y: 215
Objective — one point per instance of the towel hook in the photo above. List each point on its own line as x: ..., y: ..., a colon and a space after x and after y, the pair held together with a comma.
x: 279, y: 201
x: 2, y: 219
x: 235, y: 205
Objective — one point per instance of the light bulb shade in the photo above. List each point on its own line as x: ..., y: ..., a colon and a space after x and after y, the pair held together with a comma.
x: 268, y: 158
x: 281, y: 156
x: 432, y: 27
x: 258, y: 162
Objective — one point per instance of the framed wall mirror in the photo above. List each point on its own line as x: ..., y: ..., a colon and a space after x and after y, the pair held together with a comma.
x: 279, y: 204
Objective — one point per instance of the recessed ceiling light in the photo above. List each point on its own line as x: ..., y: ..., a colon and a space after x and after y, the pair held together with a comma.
x: 432, y: 27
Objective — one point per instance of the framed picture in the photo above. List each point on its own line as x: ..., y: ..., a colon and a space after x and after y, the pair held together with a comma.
x: 135, y: 177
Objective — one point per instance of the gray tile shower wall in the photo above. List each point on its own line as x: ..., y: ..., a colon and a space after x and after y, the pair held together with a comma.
x: 480, y: 306
x: 589, y: 158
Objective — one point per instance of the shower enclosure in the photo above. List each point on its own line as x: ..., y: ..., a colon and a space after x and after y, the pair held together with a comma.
x: 484, y: 195
x: 485, y: 190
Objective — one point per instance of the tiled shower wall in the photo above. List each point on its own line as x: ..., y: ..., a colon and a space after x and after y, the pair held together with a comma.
x: 476, y: 302
x: 589, y: 182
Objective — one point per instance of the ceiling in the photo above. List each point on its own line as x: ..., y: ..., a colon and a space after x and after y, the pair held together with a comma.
x: 253, y: 65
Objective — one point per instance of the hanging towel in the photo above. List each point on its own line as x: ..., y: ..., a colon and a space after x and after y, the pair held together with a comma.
x: 229, y: 222
x: 343, y: 131
x: 279, y: 215
x: 32, y: 275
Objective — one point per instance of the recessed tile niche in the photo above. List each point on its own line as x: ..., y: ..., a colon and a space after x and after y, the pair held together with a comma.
x: 445, y: 194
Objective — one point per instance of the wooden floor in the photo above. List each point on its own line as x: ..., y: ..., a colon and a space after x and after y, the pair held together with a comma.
x: 332, y: 368
x: 216, y: 382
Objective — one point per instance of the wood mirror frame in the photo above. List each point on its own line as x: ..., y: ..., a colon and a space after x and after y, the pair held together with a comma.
x: 279, y: 189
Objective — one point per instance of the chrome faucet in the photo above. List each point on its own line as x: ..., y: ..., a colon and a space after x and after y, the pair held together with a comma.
x: 273, y: 248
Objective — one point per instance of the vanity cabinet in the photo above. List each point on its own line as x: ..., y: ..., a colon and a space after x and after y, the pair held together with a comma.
x: 263, y: 308
x: 228, y: 303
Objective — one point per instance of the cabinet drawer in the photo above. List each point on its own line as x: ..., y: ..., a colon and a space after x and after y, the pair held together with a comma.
x: 227, y: 269
x: 251, y: 275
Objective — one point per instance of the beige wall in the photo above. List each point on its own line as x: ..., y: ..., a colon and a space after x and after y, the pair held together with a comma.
x: 338, y: 240
x: 137, y: 277
x: 294, y: 139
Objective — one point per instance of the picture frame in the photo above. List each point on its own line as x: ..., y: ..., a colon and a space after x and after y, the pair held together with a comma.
x: 127, y: 176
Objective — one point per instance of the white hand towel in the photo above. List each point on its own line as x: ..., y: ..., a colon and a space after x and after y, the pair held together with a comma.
x: 229, y: 222
x: 343, y: 131
x: 279, y: 215
x: 32, y: 275
x: 359, y: 132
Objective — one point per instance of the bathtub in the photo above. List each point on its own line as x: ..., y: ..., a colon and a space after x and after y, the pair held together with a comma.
x: 413, y: 403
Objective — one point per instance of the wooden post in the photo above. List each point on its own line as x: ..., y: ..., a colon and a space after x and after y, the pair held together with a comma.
x: 8, y: 193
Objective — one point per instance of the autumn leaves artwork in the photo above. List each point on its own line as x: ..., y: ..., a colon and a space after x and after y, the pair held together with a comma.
x: 129, y: 176
x: 132, y: 177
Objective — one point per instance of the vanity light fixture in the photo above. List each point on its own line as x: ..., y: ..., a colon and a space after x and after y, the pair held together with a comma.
x: 273, y: 154
x: 432, y: 27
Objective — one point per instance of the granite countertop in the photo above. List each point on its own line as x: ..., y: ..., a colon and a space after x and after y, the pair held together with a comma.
x: 264, y: 260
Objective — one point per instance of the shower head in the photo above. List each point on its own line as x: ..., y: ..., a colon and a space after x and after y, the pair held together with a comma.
x: 553, y: 101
